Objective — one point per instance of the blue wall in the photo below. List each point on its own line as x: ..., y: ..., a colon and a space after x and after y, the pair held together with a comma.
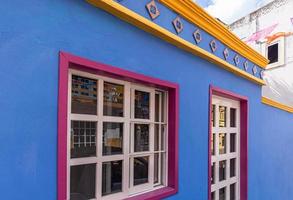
x: 31, y: 35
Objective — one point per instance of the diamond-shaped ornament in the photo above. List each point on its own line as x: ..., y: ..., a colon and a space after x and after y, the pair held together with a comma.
x: 236, y: 60
x: 226, y: 53
x: 254, y: 70
x: 245, y: 65
x: 178, y: 25
x: 213, y: 45
x: 197, y: 36
x: 153, y: 10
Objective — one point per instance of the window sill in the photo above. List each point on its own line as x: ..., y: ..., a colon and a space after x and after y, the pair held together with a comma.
x: 156, y: 194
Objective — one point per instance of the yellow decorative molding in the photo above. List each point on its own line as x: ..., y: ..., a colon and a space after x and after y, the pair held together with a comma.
x: 148, y: 26
x: 276, y: 104
x: 198, y: 16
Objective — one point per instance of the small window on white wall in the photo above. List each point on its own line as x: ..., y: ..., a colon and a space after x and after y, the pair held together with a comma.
x: 275, y: 53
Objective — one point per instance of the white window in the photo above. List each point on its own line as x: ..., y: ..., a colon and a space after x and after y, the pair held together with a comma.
x: 275, y: 52
x: 225, y: 149
x: 117, y: 143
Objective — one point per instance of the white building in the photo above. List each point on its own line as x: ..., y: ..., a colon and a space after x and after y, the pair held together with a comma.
x: 270, y: 31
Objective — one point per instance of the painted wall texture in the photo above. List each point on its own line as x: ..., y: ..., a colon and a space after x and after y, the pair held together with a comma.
x: 31, y: 35
x: 273, y: 18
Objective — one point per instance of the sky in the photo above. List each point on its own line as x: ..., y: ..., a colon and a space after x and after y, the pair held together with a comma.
x: 231, y: 10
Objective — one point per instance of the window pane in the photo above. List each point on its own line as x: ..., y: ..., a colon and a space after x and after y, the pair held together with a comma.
x: 157, y: 137
x: 222, y: 143
x: 232, y: 117
x: 163, y: 107
x: 156, y: 168
x: 233, y: 167
x: 111, y: 177
x: 82, y: 182
x: 273, y: 53
x: 112, y: 138
x: 83, y: 95
x: 83, y: 139
x: 163, y: 138
x: 141, y: 170
x: 213, y: 196
x: 213, y: 173
x: 163, y: 161
x: 233, y: 142
x: 222, y: 116
x: 213, y: 144
x: 113, y: 99
x: 142, y: 105
x: 222, y: 170
x: 222, y: 194
x: 213, y: 115
x: 157, y: 108
x: 141, y: 137
x: 232, y: 192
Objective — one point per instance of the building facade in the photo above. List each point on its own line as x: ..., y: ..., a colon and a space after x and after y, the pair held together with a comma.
x: 135, y: 100
x: 269, y: 30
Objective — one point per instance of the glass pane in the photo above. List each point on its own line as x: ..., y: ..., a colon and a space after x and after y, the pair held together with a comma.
x: 140, y: 170
x: 111, y: 177
x: 163, y: 138
x: 233, y: 142
x: 163, y: 107
x: 83, y: 139
x: 113, y: 99
x: 232, y: 117
x: 157, y: 108
x: 213, y: 196
x: 222, y: 143
x: 213, y: 144
x: 163, y: 168
x: 222, y: 170
x: 82, y: 182
x: 157, y: 137
x: 222, y: 116
x: 213, y: 115
x: 142, y: 105
x: 83, y: 95
x: 112, y: 138
x: 156, y: 168
x: 233, y: 167
x: 222, y: 194
x: 213, y: 173
x: 232, y: 192
x: 141, y: 137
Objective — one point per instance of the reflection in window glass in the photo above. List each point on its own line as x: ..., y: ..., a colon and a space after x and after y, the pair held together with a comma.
x: 163, y: 107
x: 163, y: 138
x: 156, y: 168
x: 213, y: 115
x: 232, y: 117
x: 113, y: 99
x: 233, y: 167
x: 222, y: 116
x: 233, y: 142
x: 83, y: 139
x: 142, y: 105
x: 222, y: 194
x: 222, y: 143
x: 213, y: 173
x: 222, y: 170
x: 111, y: 177
x: 112, y: 138
x: 157, y: 107
x: 141, y: 170
x: 141, y: 137
x: 232, y: 192
x: 83, y: 95
x: 213, y: 144
x: 82, y: 182
x: 157, y: 137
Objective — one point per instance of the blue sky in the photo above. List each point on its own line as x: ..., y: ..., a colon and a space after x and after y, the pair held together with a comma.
x: 231, y: 10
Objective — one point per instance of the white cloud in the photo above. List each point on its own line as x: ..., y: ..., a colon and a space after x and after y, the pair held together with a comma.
x: 231, y: 10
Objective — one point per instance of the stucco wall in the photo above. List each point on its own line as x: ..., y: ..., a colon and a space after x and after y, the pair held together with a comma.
x: 31, y: 36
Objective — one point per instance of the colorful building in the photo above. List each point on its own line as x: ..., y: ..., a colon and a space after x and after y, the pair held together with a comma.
x: 137, y: 100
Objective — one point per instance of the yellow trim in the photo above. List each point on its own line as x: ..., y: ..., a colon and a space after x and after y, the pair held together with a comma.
x: 276, y: 104
x: 197, y: 15
x: 147, y: 25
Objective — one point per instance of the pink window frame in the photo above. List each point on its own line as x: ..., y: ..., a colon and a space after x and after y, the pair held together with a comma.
x: 68, y: 61
x: 243, y: 138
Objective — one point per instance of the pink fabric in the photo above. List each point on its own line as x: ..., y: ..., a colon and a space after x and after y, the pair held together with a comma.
x: 261, y: 34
